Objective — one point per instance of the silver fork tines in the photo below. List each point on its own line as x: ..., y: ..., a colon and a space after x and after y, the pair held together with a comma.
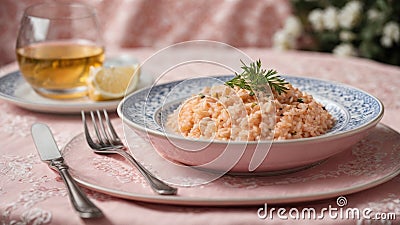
x: 108, y: 142
x: 106, y: 135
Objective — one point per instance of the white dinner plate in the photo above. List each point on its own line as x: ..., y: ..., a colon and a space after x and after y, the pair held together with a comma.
x: 372, y: 161
x: 14, y: 89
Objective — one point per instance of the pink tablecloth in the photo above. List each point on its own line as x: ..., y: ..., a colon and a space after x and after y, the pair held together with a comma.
x: 30, y: 193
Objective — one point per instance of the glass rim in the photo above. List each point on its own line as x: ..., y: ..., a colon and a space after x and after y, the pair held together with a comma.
x: 32, y: 10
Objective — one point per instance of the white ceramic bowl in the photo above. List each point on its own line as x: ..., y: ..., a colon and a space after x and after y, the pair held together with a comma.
x: 356, y: 112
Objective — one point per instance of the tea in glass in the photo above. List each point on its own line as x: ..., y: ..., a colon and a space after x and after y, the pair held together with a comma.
x: 56, y: 46
x: 59, y: 69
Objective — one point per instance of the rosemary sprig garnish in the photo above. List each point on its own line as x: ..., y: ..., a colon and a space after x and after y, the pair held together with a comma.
x: 254, y: 77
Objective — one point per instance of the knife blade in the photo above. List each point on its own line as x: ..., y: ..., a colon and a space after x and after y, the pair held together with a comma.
x: 45, y: 143
x: 49, y: 152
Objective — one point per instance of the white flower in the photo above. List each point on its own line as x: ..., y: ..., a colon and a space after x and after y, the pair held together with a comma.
x: 350, y: 14
x: 345, y: 49
x: 293, y: 26
x: 286, y: 37
x: 346, y: 36
x: 390, y: 34
x: 386, y: 41
x: 330, y: 18
x: 283, y: 41
x: 315, y: 18
x: 373, y: 14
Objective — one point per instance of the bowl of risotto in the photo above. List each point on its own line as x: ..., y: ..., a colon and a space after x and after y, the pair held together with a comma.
x: 203, y: 122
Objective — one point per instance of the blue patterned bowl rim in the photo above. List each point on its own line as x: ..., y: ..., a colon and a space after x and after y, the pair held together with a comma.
x: 359, y: 109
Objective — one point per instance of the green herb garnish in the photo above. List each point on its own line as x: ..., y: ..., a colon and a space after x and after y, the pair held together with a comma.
x: 254, y: 78
x: 300, y: 100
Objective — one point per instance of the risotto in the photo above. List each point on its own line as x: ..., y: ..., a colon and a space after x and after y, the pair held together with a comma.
x: 226, y: 113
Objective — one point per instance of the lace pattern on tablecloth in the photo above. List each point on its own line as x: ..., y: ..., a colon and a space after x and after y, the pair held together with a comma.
x: 124, y: 173
x: 39, y: 188
x: 19, y: 170
x: 14, y: 124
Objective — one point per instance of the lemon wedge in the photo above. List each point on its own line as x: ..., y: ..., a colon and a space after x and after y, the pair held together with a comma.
x: 106, y: 83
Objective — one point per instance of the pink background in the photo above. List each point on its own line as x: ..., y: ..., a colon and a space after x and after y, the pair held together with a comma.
x: 159, y: 23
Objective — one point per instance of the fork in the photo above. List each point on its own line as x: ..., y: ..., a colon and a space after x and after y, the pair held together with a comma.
x: 108, y: 142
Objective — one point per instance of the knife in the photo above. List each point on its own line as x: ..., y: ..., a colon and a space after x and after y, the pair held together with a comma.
x: 48, y: 152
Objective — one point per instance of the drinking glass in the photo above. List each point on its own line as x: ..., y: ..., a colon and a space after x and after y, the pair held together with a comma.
x: 57, y: 44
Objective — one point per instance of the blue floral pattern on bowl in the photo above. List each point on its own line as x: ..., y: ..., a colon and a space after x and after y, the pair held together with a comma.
x: 351, y: 107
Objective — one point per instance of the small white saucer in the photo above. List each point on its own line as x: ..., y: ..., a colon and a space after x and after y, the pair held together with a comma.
x: 14, y: 89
